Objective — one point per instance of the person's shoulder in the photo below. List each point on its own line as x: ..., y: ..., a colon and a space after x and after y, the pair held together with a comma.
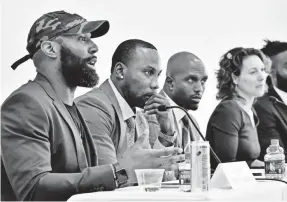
x: 228, y: 106
x: 93, y: 97
x: 226, y: 110
x: 264, y: 106
x: 227, y: 116
x: 28, y: 90
x: 30, y: 99
x: 263, y: 101
x: 95, y: 100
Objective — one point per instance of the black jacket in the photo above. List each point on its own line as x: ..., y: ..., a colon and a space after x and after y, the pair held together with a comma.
x: 272, y: 114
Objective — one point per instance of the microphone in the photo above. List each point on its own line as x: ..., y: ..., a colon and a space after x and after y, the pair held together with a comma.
x: 162, y: 108
x: 165, y: 108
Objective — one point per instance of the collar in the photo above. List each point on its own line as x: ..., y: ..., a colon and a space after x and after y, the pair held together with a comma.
x: 282, y: 94
x: 127, y: 111
x: 179, y: 114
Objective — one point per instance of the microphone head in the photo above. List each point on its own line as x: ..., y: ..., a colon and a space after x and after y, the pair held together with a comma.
x: 162, y: 108
x: 273, y: 99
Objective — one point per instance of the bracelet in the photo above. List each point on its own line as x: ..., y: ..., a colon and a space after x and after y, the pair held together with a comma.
x: 169, y: 138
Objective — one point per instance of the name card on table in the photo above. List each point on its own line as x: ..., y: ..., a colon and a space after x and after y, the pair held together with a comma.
x: 232, y: 175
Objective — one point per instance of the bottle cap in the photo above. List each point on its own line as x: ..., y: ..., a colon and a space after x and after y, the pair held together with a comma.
x: 274, y: 142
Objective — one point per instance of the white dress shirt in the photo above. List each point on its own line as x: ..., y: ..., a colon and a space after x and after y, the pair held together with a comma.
x: 127, y: 113
x: 282, y: 94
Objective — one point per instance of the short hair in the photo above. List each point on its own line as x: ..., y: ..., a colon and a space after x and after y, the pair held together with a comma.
x: 126, y: 49
x: 231, y: 63
x: 272, y: 48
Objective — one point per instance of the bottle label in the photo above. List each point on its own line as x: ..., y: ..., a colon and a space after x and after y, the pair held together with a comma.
x: 184, y: 176
x: 275, y: 167
x: 205, y: 168
x: 200, y: 167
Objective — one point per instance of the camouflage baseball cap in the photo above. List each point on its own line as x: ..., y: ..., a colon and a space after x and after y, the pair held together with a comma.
x: 54, y: 24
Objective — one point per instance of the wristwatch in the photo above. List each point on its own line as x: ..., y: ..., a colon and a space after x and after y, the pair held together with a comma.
x: 169, y: 138
x: 120, y: 176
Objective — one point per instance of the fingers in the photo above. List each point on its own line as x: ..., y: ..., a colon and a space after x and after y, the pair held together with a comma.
x: 169, y: 167
x: 155, y: 101
x: 169, y: 160
x: 151, y: 112
x: 156, y: 98
x: 151, y: 107
x: 167, y: 151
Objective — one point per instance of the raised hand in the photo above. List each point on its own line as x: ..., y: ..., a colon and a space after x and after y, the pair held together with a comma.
x: 138, y: 157
x: 163, y: 118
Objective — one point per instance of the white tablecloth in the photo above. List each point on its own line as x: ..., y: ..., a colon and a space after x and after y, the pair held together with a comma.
x: 261, y: 191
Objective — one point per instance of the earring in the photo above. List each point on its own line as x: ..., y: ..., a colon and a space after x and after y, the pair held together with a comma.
x: 236, y: 87
x: 121, y: 77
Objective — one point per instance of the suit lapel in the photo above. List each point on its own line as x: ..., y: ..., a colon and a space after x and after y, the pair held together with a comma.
x: 272, y: 92
x: 107, y: 89
x: 90, y: 141
x: 42, y: 81
x: 280, y: 107
x: 282, y: 110
x: 78, y: 141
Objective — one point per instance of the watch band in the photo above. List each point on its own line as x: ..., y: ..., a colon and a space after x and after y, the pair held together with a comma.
x: 114, y: 173
x: 120, y: 175
x: 169, y: 138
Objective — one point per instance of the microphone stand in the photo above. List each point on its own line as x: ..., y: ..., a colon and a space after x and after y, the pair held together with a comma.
x: 165, y: 108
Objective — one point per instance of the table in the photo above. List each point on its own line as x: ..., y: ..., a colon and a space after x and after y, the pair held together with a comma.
x: 261, y: 191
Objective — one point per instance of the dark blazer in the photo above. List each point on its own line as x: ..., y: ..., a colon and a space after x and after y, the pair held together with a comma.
x: 272, y: 114
x: 104, y: 118
x: 43, y: 155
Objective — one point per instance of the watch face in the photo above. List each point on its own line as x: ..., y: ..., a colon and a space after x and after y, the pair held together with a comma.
x: 122, y: 176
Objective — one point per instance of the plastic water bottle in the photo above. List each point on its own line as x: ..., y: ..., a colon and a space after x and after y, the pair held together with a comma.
x: 184, y: 176
x: 274, y: 161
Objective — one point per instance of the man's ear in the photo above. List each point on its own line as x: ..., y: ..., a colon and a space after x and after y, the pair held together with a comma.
x: 50, y: 48
x: 170, y: 83
x: 120, y: 70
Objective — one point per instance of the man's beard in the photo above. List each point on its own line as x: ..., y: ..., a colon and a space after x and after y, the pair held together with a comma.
x: 75, y: 70
x: 132, y: 99
x: 281, y: 83
x: 186, y: 104
x: 179, y: 97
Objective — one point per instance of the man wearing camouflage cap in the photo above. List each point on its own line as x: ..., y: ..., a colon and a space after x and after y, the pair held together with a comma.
x: 47, y: 150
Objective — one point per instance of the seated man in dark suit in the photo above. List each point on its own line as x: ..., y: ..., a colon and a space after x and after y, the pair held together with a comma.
x: 47, y: 151
x: 110, y: 110
x: 184, y: 86
x: 272, y: 107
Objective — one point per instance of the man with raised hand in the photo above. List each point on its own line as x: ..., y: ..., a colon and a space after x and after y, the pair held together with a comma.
x: 47, y: 149
x: 110, y: 110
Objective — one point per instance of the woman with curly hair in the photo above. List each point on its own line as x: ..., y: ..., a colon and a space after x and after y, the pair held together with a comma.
x: 231, y: 129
